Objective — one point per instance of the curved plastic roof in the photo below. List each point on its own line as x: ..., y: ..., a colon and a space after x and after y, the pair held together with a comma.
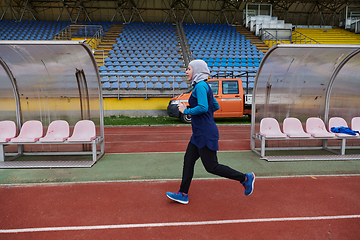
x: 305, y: 81
x: 49, y: 80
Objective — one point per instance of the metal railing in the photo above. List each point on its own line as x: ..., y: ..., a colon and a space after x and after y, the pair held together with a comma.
x: 100, y: 51
x: 302, y: 39
x: 184, y: 44
x: 355, y: 26
x: 268, y: 38
x: 93, y: 34
x: 146, y: 78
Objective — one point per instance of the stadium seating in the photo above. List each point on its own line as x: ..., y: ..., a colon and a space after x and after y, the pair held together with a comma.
x: 43, y: 30
x: 146, y: 48
x: 222, y: 48
x: 152, y: 48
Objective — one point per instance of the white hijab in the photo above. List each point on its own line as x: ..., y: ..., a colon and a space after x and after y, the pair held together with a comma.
x: 200, y: 71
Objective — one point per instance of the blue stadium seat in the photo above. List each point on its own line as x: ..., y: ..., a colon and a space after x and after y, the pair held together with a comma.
x: 106, y: 85
x: 166, y: 85
x: 158, y: 85
x: 105, y: 79
x: 175, y: 85
x: 150, y: 85
x: 115, y: 85
x: 183, y: 85
x: 141, y: 85
x: 132, y: 85
x: 113, y: 79
x: 123, y: 85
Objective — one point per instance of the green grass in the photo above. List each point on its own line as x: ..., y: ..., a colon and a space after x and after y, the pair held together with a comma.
x: 124, y: 120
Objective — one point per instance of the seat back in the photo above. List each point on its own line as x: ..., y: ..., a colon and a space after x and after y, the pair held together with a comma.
x: 355, y: 124
x: 316, y: 127
x: 57, y: 131
x: 269, y: 127
x: 293, y: 128
x: 31, y: 131
x: 337, y: 122
x: 7, y: 130
x: 84, y: 131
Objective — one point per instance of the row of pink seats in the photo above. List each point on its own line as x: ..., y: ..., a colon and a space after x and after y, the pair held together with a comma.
x: 57, y: 132
x: 315, y: 127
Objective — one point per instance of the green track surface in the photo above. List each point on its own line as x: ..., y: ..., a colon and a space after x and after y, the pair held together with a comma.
x: 138, y: 166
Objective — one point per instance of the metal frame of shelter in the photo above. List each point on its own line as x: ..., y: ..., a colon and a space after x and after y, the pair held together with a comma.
x: 47, y: 81
x: 305, y: 81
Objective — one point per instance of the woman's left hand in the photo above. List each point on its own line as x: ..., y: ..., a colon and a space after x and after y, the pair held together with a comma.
x: 181, y: 107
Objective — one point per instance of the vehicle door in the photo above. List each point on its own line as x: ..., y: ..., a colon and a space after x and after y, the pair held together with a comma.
x: 215, y: 88
x: 231, y: 99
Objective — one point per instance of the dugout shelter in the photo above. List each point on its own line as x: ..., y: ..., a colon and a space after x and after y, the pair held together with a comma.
x: 303, y: 81
x: 47, y: 81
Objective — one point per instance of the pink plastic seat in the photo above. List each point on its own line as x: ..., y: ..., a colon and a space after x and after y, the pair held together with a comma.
x: 293, y: 128
x: 355, y: 124
x: 338, y: 122
x: 84, y: 131
x: 58, y: 131
x: 7, y: 131
x: 269, y: 128
x: 31, y: 131
x: 316, y: 127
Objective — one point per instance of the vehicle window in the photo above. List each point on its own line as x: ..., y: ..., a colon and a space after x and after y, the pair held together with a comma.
x: 214, y: 87
x: 230, y: 87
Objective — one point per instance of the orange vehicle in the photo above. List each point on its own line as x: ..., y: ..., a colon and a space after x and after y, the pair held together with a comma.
x: 229, y: 94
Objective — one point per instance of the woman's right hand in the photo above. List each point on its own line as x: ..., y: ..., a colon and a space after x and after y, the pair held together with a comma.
x: 181, y: 107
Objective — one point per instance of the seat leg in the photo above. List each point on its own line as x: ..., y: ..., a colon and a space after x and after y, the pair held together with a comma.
x: 343, y: 144
x: 2, y: 153
x: 262, y: 146
x: 94, y: 155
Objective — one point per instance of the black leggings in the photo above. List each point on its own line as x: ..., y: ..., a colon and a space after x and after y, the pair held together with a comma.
x: 210, y: 162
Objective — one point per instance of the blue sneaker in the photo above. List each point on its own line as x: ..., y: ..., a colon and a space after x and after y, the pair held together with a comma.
x: 178, y: 197
x: 249, y: 183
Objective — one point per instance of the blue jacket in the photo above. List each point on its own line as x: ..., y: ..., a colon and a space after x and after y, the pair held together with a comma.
x: 202, y: 107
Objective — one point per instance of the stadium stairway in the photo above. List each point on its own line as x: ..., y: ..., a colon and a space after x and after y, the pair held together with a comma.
x: 330, y: 36
x: 107, y: 43
x: 261, y: 46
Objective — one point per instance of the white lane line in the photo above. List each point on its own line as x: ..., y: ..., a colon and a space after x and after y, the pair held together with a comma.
x: 161, y: 180
x: 176, y: 224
